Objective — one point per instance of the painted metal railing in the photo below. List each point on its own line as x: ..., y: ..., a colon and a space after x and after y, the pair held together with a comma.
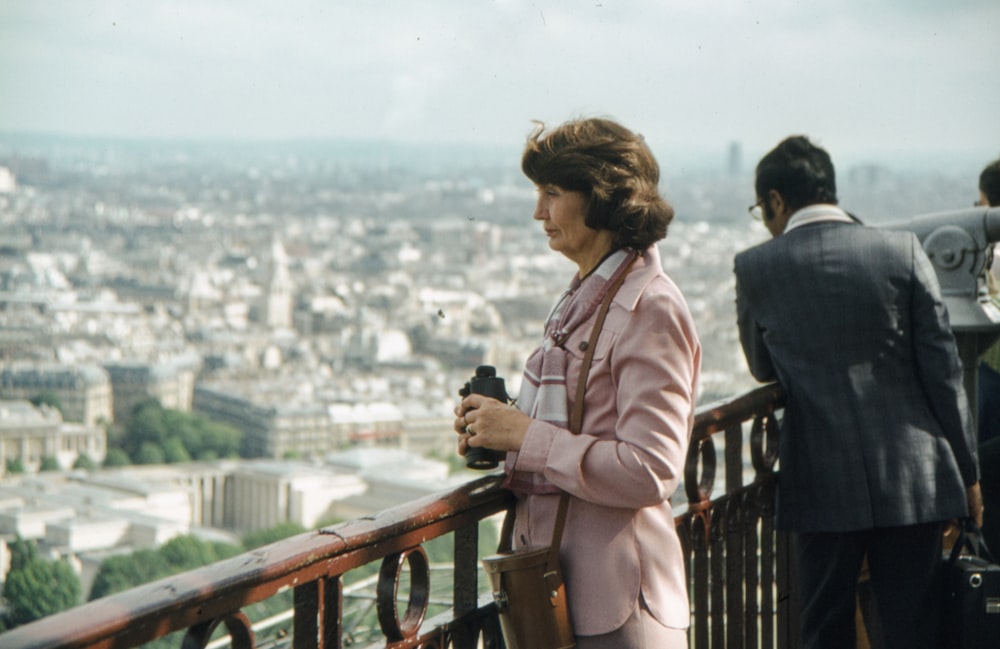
x: 737, y: 565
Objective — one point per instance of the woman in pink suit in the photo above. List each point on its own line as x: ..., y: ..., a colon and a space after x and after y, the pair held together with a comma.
x: 599, y: 205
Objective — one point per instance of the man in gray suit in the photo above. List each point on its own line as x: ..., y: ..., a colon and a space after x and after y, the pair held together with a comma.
x: 877, y: 447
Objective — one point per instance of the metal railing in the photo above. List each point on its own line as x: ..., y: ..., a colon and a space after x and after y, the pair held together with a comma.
x: 737, y: 565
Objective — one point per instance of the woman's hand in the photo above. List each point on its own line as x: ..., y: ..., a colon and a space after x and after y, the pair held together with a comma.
x: 484, y: 421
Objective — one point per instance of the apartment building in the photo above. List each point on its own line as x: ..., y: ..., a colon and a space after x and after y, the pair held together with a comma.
x: 84, y: 391
x: 30, y: 434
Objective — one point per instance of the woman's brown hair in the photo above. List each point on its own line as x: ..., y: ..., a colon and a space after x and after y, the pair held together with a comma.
x: 613, y: 167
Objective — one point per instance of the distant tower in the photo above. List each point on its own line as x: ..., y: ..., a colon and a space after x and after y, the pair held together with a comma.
x: 734, y: 162
x: 8, y: 182
x: 279, y: 293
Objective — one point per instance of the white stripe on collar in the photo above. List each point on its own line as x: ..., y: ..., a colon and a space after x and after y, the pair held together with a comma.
x: 817, y: 214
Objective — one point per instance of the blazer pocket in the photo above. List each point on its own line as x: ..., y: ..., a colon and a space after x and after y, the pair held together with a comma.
x: 576, y: 345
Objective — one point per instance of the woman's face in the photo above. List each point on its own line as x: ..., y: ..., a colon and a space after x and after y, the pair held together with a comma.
x: 563, y: 214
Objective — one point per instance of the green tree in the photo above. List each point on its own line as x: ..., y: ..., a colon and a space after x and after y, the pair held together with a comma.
x: 116, y: 457
x: 22, y: 553
x: 83, y: 461
x: 46, y: 398
x: 126, y: 571
x: 260, y: 538
x: 181, y: 553
x: 147, y: 425
x: 39, y: 589
x: 180, y: 435
x: 49, y: 463
x: 225, y: 550
x: 188, y: 552
x: 15, y: 465
x: 150, y: 453
x: 174, y: 451
x: 185, y: 428
x: 204, y: 437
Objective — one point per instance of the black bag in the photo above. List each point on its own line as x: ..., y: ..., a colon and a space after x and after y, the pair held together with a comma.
x: 971, y: 615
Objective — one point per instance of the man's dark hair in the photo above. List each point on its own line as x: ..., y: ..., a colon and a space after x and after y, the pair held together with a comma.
x: 798, y: 170
x: 989, y: 183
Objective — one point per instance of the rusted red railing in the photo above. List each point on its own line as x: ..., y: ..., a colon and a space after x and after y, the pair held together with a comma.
x: 740, y: 593
x: 737, y: 564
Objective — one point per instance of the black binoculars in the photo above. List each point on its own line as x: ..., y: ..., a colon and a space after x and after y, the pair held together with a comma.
x: 487, y: 383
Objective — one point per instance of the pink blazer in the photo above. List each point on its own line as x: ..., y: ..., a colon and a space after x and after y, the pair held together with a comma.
x: 620, y: 540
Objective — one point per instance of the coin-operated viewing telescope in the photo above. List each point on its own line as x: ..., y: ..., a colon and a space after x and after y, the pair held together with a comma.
x: 960, y: 245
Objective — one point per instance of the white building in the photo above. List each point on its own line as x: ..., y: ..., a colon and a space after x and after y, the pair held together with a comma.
x: 83, y: 390
x: 31, y: 434
x: 266, y: 493
x: 393, y: 477
x: 8, y: 182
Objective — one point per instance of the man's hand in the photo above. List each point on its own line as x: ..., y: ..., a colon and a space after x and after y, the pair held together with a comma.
x: 975, y: 497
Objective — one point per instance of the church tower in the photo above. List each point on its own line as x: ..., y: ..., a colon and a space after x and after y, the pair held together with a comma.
x: 279, y: 292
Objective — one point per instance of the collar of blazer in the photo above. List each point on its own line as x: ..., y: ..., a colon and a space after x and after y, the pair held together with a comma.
x: 819, y: 213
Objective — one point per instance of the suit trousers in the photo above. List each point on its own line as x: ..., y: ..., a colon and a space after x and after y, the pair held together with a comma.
x: 989, y: 463
x: 905, y: 568
x: 988, y: 402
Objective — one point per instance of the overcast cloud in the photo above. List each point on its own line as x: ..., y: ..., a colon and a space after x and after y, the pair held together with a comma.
x: 876, y: 77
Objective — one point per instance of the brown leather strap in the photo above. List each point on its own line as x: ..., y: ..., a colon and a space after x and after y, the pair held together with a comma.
x: 552, y: 562
x: 575, y: 422
x: 507, y: 530
x: 576, y: 419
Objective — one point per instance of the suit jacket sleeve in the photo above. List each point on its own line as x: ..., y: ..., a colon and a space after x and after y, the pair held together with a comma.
x: 939, y: 366
x: 751, y: 336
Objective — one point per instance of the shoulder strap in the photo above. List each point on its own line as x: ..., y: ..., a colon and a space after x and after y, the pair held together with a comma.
x: 576, y: 419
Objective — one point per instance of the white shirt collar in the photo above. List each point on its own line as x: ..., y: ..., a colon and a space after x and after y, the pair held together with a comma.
x: 817, y: 214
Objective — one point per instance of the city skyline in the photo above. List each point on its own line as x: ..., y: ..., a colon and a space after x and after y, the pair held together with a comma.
x: 887, y: 81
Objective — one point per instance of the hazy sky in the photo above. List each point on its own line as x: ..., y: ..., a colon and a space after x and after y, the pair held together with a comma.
x: 878, y: 77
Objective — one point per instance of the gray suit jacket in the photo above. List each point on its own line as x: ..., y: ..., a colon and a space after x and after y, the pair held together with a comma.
x: 876, y: 430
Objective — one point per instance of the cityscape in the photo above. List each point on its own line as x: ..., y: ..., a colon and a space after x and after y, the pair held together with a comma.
x: 326, y: 300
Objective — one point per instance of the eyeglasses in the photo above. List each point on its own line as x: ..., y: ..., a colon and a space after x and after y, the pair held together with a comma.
x: 757, y: 211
